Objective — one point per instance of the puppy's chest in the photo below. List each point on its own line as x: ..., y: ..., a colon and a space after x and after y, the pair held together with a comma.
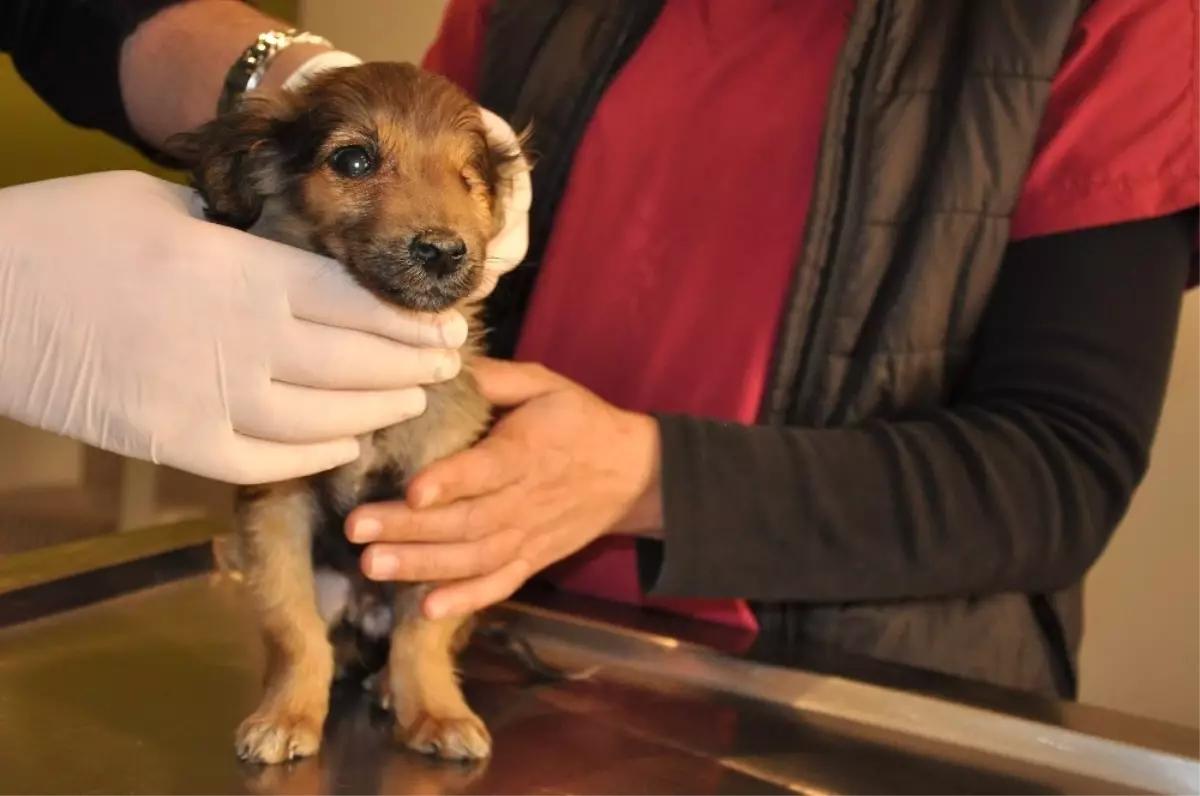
x: 455, y: 417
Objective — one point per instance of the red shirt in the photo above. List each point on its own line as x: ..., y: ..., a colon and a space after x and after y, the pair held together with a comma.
x: 675, y: 240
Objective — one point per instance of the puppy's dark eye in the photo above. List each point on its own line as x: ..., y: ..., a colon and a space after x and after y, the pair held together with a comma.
x: 352, y: 162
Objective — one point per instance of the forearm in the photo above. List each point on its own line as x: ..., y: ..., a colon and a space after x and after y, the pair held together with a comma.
x: 173, y: 66
x: 1016, y: 486
x: 138, y: 70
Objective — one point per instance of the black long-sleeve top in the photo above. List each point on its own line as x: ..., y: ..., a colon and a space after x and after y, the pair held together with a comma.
x: 69, y: 52
x: 1015, y: 486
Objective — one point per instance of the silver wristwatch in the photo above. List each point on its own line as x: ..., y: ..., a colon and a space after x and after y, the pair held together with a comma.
x: 247, y: 72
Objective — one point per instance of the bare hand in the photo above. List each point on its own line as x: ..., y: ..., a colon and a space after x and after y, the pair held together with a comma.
x: 558, y: 471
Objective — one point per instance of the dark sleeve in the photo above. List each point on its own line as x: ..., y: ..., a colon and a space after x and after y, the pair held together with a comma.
x: 1017, y: 485
x: 69, y: 51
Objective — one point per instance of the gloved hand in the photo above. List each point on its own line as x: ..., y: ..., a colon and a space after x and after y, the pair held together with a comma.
x: 129, y: 323
x: 506, y: 251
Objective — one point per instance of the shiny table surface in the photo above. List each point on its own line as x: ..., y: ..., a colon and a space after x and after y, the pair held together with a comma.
x: 140, y: 693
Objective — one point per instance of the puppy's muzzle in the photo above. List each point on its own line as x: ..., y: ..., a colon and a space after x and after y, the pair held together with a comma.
x: 439, y: 252
x: 428, y: 270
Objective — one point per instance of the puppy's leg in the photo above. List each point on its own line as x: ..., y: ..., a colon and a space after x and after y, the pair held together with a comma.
x: 432, y: 715
x: 277, y: 524
x: 462, y: 634
x: 431, y: 712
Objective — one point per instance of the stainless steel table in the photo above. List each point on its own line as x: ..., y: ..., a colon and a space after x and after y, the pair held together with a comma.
x: 125, y: 670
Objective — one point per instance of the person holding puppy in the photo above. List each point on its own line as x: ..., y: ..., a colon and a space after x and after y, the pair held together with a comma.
x: 847, y: 324
x: 130, y: 323
x: 844, y: 324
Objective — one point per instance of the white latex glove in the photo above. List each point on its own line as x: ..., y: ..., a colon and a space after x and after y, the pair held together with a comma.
x: 129, y: 323
x: 506, y: 251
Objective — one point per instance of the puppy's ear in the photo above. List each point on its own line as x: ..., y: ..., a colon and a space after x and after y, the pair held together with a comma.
x: 505, y: 163
x: 234, y: 160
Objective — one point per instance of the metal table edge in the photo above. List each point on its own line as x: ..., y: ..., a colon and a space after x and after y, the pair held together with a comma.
x: 1151, y: 757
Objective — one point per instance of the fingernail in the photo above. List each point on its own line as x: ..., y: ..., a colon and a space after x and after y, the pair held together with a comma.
x: 448, y: 366
x: 383, y: 567
x: 365, y: 530
x: 448, y: 329
x: 454, y: 332
x: 423, y: 497
x: 435, y: 609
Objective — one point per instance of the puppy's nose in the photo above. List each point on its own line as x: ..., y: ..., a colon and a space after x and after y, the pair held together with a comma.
x: 439, y: 252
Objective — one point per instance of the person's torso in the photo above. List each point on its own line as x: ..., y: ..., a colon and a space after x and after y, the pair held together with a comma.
x: 707, y: 239
x: 674, y: 244
x: 702, y: 152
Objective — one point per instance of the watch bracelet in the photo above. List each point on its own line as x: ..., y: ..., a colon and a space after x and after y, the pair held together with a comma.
x: 247, y: 71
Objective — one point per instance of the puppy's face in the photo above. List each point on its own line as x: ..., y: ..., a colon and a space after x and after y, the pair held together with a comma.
x: 382, y: 166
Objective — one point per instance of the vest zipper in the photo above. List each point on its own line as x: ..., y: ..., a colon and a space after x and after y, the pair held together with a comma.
x: 789, y: 384
x: 795, y: 344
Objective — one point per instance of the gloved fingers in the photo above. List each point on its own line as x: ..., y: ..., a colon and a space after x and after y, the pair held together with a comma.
x: 260, y: 461
x: 179, y: 198
x: 322, y: 292
x: 322, y: 62
x: 287, y: 413
x: 508, y: 248
x: 517, y: 188
x: 328, y: 357
x: 504, y: 253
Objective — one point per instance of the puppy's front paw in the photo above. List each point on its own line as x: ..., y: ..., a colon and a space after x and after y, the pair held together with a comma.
x: 271, y: 736
x: 448, y: 737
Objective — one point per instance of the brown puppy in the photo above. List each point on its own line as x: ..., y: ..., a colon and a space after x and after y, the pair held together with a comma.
x: 387, y: 169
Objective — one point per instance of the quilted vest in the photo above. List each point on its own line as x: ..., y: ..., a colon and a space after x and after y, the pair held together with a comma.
x: 933, y: 116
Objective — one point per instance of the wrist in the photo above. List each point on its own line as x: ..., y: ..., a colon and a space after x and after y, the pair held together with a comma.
x: 644, y: 516
x: 280, y: 65
x: 278, y: 59
x: 174, y: 66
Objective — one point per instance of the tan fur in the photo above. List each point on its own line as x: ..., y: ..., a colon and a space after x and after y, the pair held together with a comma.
x: 433, y: 171
x: 275, y: 531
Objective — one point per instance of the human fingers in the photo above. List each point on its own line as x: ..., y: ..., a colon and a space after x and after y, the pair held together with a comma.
x: 329, y: 357
x: 246, y: 460
x: 320, y: 290
x: 507, y: 248
x: 475, y: 594
x: 518, y: 187
x: 417, y: 562
x: 291, y: 414
x: 509, y: 384
x: 494, y: 463
x: 397, y: 522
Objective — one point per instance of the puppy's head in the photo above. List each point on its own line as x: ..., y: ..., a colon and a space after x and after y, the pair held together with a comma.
x: 382, y: 166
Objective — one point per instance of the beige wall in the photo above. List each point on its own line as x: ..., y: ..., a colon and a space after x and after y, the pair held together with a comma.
x: 1142, y: 644
x: 376, y: 30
